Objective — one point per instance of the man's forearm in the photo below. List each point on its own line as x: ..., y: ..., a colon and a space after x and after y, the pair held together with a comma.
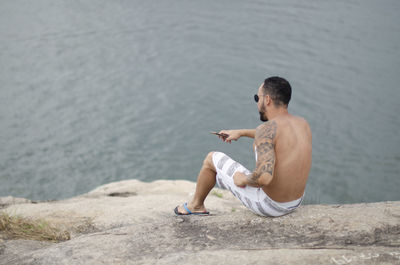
x: 248, y: 132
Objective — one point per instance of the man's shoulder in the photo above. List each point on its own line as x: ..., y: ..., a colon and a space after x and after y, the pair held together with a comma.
x: 303, y: 122
x: 293, y: 120
x: 266, y: 130
x: 281, y: 125
x: 267, y: 125
x: 298, y: 124
x: 301, y: 119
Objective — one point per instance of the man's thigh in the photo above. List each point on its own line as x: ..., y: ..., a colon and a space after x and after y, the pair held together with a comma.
x: 226, y: 168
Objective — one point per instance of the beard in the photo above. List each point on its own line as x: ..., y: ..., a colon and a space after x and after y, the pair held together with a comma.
x: 263, y: 116
x: 263, y: 113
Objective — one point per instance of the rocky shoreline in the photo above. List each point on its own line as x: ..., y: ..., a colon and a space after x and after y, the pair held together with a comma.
x: 132, y: 222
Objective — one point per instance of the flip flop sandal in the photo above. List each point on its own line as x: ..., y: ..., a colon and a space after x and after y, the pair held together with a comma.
x: 188, y: 211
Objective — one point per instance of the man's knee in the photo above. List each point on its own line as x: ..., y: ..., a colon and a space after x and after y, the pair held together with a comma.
x: 208, y: 161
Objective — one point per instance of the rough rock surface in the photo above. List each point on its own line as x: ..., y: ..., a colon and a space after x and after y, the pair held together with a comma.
x: 132, y: 222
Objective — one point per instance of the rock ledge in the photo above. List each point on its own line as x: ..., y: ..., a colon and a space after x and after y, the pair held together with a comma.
x: 132, y: 222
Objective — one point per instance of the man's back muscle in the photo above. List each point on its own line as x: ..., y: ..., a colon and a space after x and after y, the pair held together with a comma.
x: 292, y: 146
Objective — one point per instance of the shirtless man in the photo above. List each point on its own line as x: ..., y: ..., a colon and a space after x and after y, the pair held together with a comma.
x: 282, y: 146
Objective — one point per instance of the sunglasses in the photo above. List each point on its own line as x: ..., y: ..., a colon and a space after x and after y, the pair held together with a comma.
x: 257, y: 98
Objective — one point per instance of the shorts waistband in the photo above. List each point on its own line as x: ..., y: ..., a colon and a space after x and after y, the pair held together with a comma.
x: 284, y: 207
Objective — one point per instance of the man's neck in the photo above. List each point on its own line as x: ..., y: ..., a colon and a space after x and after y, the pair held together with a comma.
x: 276, y: 112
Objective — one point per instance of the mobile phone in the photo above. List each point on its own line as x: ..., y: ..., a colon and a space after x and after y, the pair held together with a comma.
x: 223, y: 135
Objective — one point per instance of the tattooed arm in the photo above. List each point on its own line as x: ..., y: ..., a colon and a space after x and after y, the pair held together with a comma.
x: 265, y: 143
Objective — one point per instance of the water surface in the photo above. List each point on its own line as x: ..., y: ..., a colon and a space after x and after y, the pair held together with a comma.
x: 99, y: 91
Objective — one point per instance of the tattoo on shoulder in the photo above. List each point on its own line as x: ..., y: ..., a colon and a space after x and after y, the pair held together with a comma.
x: 267, y: 131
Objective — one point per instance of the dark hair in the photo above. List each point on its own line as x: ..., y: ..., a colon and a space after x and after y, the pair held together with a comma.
x: 278, y: 89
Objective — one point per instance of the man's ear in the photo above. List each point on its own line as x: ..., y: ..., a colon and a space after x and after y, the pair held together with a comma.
x: 268, y: 99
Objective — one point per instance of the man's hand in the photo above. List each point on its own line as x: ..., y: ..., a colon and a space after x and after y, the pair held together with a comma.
x: 232, y: 135
x: 240, y: 179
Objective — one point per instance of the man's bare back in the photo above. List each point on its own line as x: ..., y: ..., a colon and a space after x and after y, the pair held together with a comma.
x: 292, y: 147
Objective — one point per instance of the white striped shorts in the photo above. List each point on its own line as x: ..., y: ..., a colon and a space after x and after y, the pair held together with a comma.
x: 253, y: 198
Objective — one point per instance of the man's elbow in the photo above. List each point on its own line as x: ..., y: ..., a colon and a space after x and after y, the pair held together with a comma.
x: 265, y: 179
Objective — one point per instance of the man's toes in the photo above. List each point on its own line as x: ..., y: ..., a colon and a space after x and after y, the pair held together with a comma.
x: 180, y: 210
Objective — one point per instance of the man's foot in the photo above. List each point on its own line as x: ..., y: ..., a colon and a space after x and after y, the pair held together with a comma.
x: 186, y: 210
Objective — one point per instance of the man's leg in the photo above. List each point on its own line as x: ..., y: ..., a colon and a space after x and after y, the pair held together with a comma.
x: 205, y: 183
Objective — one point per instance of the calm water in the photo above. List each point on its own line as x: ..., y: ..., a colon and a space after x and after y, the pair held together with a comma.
x: 98, y: 91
